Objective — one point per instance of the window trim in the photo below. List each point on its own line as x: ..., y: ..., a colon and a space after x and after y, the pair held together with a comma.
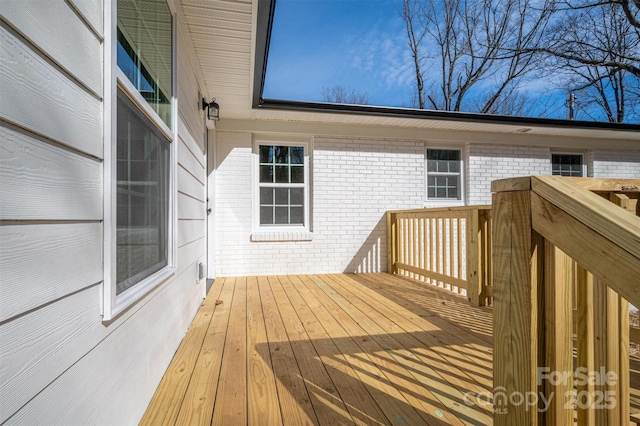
x: 582, y: 154
x: 275, y: 232
x: 114, y: 305
x: 445, y: 202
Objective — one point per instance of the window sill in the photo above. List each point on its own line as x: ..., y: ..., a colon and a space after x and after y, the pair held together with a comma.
x: 136, y: 293
x: 271, y: 236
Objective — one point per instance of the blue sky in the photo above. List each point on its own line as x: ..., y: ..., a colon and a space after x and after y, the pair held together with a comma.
x: 360, y: 44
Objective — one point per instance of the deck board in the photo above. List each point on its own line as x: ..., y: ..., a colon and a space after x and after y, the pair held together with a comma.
x: 231, y: 399
x: 197, y: 405
x: 295, y: 403
x: 262, y: 394
x: 371, y: 349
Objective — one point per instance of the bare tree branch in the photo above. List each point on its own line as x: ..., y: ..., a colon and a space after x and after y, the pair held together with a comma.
x: 339, y: 94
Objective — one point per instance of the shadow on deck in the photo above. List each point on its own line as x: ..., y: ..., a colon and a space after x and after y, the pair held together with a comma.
x: 331, y: 349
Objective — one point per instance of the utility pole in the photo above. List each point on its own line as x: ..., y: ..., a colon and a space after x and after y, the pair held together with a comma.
x: 572, y: 101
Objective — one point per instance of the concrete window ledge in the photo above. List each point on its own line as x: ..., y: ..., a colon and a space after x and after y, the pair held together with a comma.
x: 281, y: 236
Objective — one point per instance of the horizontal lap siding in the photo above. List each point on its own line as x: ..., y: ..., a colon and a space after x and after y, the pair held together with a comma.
x: 43, y: 181
x: 116, y: 368
x: 60, y: 363
x: 51, y: 198
x: 72, y: 117
x: 44, y: 263
x: 70, y: 43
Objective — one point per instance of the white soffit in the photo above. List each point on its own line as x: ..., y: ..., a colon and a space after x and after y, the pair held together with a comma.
x: 221, y: 31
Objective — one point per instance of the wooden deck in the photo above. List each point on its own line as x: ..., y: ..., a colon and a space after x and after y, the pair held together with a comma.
x: 329, y: 349
x: 333, y: 349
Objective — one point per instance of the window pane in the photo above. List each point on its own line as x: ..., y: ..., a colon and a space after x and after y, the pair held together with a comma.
x: 297, y: 154
x: 282, y: 174
x: 281, y: 154
x: 266, y: 215
x: 297, y: 174
x: 142, y: 211
x: 266, y: 174
x: 144, y: 52
x: 266, y: 154
x: 282, y: 196
x: 445, y: 187
x: 266, y: 196
x: 297, y: 216
x: 443, y: 154
x: 297, y: 196
x: 282, y: 215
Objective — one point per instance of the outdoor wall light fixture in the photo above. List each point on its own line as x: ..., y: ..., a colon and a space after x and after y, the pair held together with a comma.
x: 213, y: 109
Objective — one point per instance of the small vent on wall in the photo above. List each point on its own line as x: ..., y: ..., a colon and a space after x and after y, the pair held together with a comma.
x: 200, y: 271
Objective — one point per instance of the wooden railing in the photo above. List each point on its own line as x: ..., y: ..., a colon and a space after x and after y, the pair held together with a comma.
x: 541, y: 226
x: 448, y: 247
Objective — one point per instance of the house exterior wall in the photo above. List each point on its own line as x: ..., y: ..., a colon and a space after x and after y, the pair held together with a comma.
x: 487, y: 163
x: 615, y: 164
x: 61, y: 364
x: 354, y: 181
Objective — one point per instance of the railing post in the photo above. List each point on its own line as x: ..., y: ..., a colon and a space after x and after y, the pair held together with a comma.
x: 517, y: 280
x: 392, y: 243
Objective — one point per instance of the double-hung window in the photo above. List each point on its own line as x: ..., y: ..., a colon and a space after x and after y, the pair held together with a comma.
x: 282, y: 187
x: 139, y: 218
x: 567, y: 165
x: 444, y: 175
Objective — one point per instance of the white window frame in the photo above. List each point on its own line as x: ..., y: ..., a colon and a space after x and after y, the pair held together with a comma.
x: 113, y: 305
x: 287, y: 232
x: 445, y: 202
x: 580, y: 153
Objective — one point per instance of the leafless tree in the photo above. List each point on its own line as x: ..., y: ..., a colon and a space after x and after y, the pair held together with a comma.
x: 473, y: 43
x: 597, y: 47
x: 416, y: 30
x: 341, y: 95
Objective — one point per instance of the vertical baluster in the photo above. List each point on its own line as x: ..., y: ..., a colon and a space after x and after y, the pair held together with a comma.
x: 558, y: 338
x: 586, y: 338
x: 450, y: 248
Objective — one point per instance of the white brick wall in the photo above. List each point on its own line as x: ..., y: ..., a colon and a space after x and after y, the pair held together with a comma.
x: 353, y: 183
x: 486, y: 163
x: 616, y: 164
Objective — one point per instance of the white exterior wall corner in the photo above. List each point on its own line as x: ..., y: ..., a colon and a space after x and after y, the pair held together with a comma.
x: 60, y: 363
x: 354, y: 181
